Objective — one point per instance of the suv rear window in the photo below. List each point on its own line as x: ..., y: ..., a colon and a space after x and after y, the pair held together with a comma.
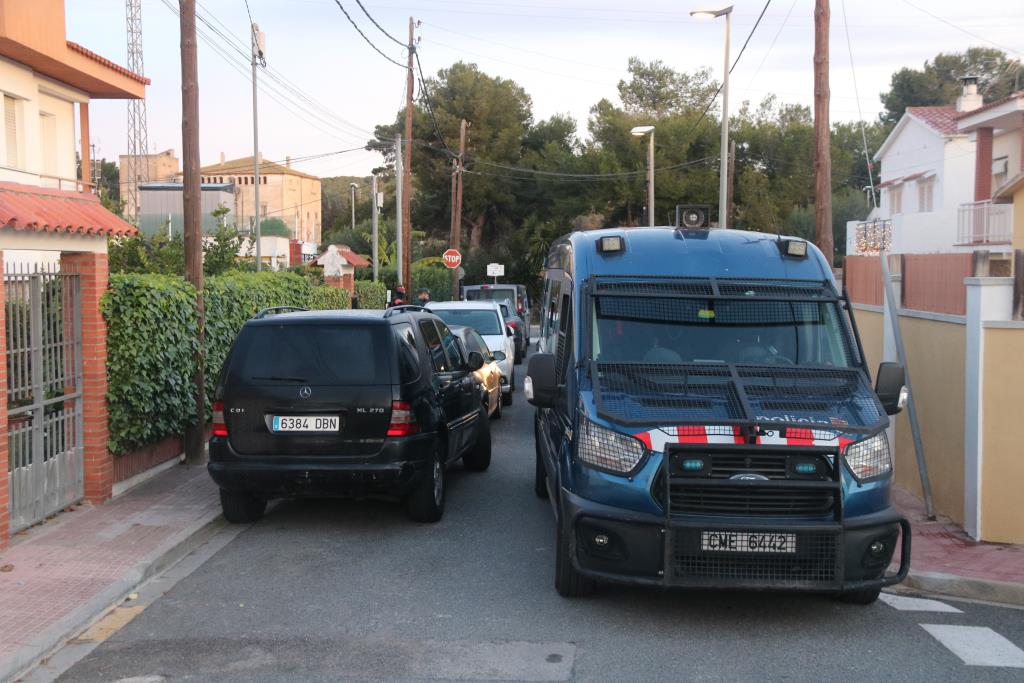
x: 483, y: 320
x: 312, y: 354
x: 491, y: 294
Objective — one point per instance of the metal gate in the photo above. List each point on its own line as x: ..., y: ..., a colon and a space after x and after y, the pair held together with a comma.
x: 44, y: 391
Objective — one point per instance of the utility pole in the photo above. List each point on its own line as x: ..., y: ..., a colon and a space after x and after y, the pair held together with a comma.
x: 352, y: 203
x: 399, y: 210
x: 456, y: 238
x: 195, y: 431
x: 732, y: 176
x: 374, y: 210
x: 822, y: 154
x: 407, y: 171
x: 257, y: 57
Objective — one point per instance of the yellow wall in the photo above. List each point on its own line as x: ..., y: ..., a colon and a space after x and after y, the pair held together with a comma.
x: 1003, y: 456
x: 935, y: 358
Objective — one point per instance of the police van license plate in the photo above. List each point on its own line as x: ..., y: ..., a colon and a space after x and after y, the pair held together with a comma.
x: 306, y: 423
x: 747, y: 542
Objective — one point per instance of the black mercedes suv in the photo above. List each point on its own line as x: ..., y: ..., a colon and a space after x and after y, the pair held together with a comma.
x: 345, y: 403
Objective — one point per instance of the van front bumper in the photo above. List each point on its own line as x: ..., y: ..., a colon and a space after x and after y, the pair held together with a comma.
x: 646, y: 549
x: 393, y: 471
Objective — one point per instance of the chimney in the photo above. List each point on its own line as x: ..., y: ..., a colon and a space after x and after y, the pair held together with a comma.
x: 222, y: 158
x: 288, y: 162
x: 970, y: 99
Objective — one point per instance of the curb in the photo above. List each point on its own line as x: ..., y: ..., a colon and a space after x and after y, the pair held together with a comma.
x: 956, y: 586
x: 181, y: 544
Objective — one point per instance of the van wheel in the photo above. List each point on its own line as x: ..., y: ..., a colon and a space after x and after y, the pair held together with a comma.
x: 479, y: 458
x: 568, y: 582
x: 540, y: 476
x: 864, y: 596
x: 240, y: 507
x: 426, y: 502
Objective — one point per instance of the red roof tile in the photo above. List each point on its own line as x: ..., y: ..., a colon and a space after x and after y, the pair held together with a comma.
x: 25, y: 207
x: 990, y: 105
x: 941, y: 119
x: 75, y: 47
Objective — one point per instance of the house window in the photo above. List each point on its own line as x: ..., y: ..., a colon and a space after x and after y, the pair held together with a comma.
x: 263, y: 210
x: 11, y: 130
x: 999, y: 171
x: 926, y: 194
x: 896, y: 199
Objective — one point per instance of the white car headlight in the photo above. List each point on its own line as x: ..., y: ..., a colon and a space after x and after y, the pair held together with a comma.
x: 606, y: 449
x: 869, y: 458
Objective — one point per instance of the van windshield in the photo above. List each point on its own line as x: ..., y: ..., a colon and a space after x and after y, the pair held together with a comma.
x: 756, y: 332
x: 312, y: 354
x: 491, y: 294
x: 483, y: 320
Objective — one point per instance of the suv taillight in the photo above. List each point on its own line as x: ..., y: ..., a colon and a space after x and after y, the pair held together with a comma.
x: 220, y: 427
x: 403, y: 422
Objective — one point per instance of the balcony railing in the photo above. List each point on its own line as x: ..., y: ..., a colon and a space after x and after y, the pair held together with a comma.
x: 874, y: 236
x: 984, y: 223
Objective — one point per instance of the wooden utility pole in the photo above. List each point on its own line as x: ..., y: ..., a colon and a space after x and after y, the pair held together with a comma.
x: 407, y: 173
x: 456, y: 240
x: 195, y: 432
x: 822, y: 154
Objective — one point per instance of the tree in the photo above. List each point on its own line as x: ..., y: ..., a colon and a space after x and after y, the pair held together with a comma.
x: 656, y: 90
x: 275, y: 227
x: 938, y: 81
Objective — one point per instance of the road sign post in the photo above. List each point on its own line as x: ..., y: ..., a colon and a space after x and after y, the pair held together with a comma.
x: 452, y: 258
x: 495, y: 270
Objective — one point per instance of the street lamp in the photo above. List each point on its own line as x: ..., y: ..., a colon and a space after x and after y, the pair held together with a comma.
x: 352, y: 202
x: 640, y: 131
x: 723, y: 180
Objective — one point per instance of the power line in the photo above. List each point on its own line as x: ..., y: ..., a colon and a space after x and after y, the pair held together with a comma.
x: 863, y: 134
x: 366, y: 38
x: 581, y: 176
x: 772, y: 46
x: 596, y: 179
x: 368, y: 16
x: 961, y: 29
x: 425, y: 97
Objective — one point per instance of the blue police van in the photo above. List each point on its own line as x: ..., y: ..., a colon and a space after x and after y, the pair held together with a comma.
x: 705, y: 418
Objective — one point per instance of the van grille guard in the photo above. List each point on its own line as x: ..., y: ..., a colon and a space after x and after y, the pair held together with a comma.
x: 744, y: 289
x: 691, y: 394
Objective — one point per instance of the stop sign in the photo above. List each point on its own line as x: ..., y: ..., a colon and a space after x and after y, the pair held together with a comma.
x: 452, y: 258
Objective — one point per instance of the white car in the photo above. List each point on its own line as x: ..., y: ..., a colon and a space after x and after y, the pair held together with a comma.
x: 485, y: 317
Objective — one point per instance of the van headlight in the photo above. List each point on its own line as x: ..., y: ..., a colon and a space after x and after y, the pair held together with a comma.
x: 869, y: 458
x: 606, y: 449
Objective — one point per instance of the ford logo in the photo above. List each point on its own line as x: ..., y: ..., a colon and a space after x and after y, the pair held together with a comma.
x: 749, y: 476
x: 305, y: 392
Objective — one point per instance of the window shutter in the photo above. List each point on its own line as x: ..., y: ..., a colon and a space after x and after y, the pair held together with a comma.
x: 11, y: 130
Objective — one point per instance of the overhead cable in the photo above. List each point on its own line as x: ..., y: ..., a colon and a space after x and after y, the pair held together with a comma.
x: 366, y: 38
x: 860, y: 116
x: 368, y: 16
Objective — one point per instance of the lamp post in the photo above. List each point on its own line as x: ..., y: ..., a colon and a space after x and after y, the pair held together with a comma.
x: 352, y: 203
x: 723, y: 180
x: 640, y: 131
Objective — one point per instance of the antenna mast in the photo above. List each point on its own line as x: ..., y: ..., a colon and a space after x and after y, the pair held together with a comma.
x: 138, y: 144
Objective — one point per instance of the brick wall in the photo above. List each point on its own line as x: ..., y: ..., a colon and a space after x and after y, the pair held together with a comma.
x: 98, y: 463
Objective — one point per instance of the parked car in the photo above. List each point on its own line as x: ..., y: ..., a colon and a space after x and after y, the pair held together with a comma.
x: 345, y: 403
x: 705, y: 418
x: 517, y: 325
x: 514, y: 294
x: 489, y: 375
x: 485, y: 317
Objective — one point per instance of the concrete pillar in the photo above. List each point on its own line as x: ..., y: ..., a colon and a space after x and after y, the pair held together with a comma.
x: 983, y: 166
x: 86, y: 157
x: 99, y: 464
x: 988, y: 298
x: 5, y: 489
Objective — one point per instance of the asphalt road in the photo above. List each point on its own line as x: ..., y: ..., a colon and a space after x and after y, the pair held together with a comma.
x: 329, y: 590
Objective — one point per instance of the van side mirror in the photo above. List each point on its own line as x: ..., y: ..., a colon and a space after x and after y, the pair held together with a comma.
x: 540, y: 386
x: 891, y: 388
x: 475, y: 361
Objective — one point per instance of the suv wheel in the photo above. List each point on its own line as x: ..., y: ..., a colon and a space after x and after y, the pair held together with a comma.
x: 240, y: 507
x: 478, y: 458
x: 426, y: 502
x: 568, y: 582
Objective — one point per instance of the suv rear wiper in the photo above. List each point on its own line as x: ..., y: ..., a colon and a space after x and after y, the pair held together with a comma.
x: 280, y: 378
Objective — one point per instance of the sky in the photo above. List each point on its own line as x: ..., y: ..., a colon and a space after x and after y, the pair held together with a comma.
x: 567, y: 54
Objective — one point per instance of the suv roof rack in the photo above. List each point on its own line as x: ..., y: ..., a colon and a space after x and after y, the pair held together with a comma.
x: 402, y: 309
x: 274, y: 310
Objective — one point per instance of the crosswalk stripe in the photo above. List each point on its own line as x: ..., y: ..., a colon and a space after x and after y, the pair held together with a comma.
x: 977, y: 645
x: 905, y: 603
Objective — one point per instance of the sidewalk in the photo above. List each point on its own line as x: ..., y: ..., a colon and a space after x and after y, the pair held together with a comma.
x: 944, y: 559
x: 59, y: 576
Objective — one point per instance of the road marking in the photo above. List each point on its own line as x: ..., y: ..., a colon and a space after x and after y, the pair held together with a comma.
x: 905, y: 603
x: 977, y: 645
x: 114, y: 621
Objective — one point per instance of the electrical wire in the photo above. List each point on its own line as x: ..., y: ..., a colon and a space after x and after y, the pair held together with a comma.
x: 366, y: 38
x: 856, y: 92
x: 936, y: 17
x: 772, y: 46
x: 582, y: 177
x: 425, y: 98
x: 368, y: 16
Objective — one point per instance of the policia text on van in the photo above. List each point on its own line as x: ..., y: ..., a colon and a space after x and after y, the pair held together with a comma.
x: 705, y: 417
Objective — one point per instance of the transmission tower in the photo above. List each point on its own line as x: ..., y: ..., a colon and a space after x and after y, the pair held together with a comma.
x: 138, y: 145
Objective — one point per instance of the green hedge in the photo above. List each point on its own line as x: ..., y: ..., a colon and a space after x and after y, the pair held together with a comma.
x: 151, y: 339
x: 373, y: 295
